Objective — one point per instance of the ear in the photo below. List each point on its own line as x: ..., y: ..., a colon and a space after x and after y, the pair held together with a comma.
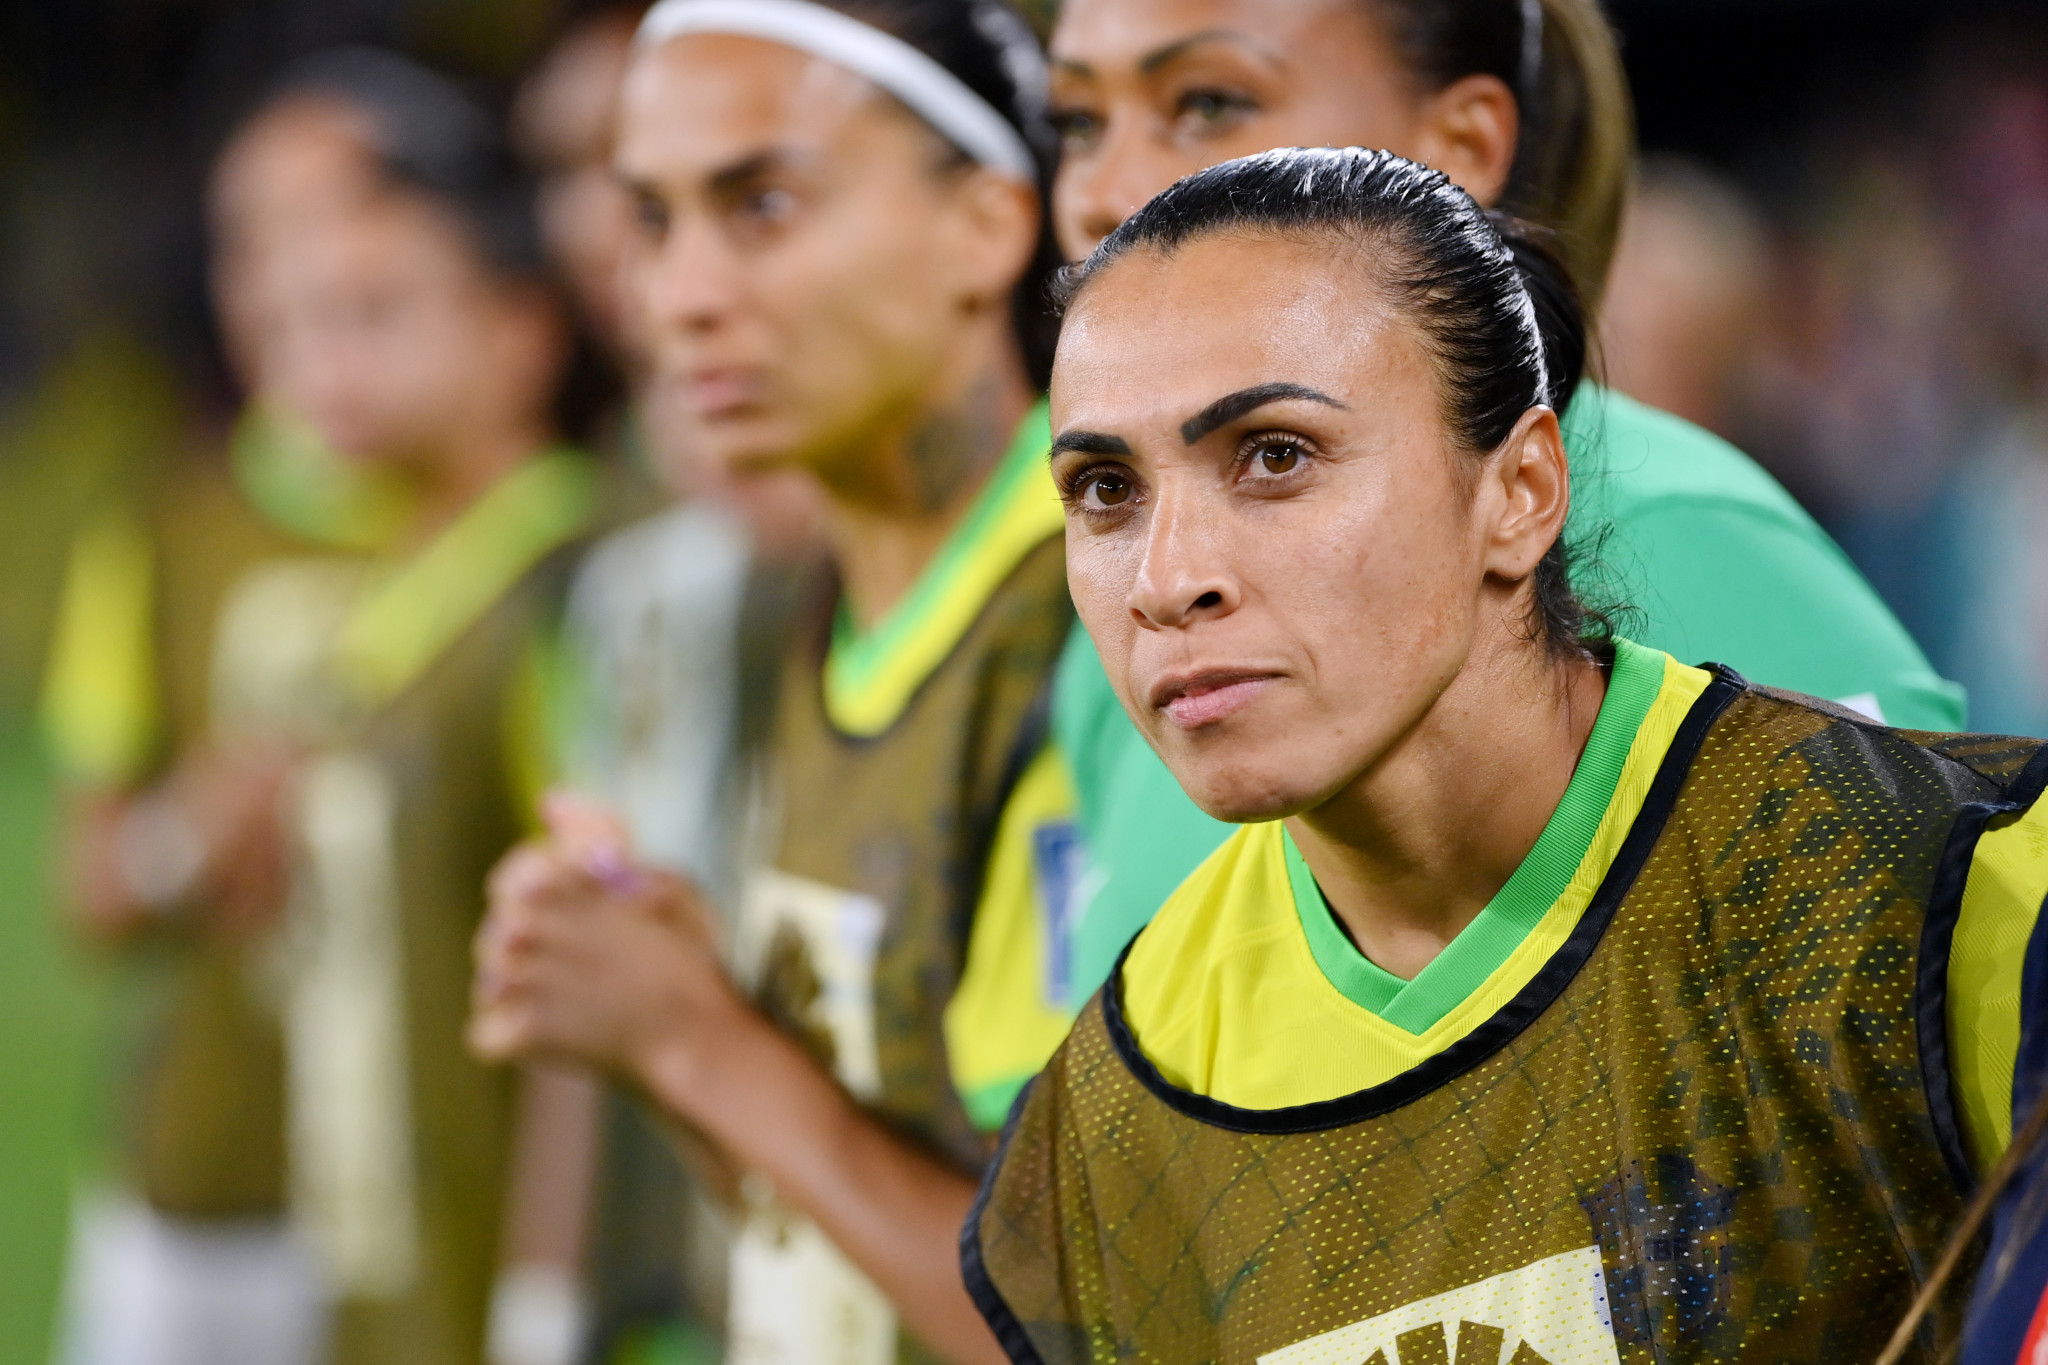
x: 996, y: 218
x: 1469, y: 131
x: 1536, y: 482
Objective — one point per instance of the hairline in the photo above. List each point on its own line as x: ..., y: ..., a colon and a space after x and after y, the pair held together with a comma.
x: 1359, y: 239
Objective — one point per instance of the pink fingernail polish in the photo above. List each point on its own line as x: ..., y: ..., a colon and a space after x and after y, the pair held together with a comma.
x: 611, y: 868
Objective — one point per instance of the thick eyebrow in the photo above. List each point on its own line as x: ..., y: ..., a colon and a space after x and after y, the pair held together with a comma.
x: 1089, y: 443
x: 1232, y: 406
x: 726, y: 180
x: 736, y: 175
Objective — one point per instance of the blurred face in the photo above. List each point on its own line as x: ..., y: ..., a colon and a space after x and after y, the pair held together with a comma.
x: 1271, y: 535
x: 384, y: 331
x: 296, y: 163
x: 782, y: 507
x: 807, y: 265
x: 568, y: 123
x: 1148, y: 91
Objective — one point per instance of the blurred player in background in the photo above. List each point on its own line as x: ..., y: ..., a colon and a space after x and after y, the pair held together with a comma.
x: 422, y: 335
x: 1687, y: 296
x: 843, y: 262
x: 673, y: 627
x: 399, y: 705
x: 176, y: 846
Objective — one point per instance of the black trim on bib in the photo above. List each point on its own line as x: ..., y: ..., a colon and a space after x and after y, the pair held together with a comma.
x: 995, y: 1309
x: 1937, y: 939
x: 1506, y: 1025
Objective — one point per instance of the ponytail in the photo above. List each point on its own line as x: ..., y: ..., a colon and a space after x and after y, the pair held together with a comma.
x: 1577, y: 145
x: 1554, y: 298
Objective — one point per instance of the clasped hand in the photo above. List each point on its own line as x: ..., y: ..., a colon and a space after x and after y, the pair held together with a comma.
x: 586, y: 956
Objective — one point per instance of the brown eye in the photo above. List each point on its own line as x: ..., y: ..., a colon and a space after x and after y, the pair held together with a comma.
x: 1107, y: 490
x: 1076, y: 127
x: 1278, y: 458
x: 1207, y: 111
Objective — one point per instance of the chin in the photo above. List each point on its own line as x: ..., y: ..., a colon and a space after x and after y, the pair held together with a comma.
x: 357, y: 447
x: 741, y: 445
x: 1242, y: 795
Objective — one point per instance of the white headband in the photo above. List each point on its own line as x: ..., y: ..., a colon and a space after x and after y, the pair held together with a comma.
x: 935, y: 94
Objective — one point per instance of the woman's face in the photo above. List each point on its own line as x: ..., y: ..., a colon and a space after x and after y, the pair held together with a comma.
x: 1149, y: 91
x: 807, y: 264
x: 1281, y: 553
x: 297, y: 163
x: 567, y: 122
x: 380, y: 327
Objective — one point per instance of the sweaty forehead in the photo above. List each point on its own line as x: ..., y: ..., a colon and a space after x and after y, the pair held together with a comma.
x: 705, y: 100
x: 301, y: 155
x: 1220, y: 313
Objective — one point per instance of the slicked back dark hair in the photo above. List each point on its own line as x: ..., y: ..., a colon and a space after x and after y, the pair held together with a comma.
x: 1497, y: 311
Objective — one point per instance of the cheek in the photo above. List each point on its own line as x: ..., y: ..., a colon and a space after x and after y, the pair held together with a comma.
x: 1099, y: 569
x: 1370, y: 581
x: 435, y: 359
x: 849, y: 319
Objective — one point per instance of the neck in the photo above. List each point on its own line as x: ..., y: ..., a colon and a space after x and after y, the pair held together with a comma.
x: 450, y: 481
x: 1415, y: 847
x: 905, y: 489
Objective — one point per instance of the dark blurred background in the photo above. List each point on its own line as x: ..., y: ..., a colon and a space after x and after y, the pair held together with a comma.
x: 1843, y: 218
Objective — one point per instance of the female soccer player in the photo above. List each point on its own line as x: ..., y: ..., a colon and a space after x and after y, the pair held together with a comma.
x: 313, y: 852
x: 417, y: 328
x: 844, y: 256
x: 1557, y: 1001
x: 1524, y: 104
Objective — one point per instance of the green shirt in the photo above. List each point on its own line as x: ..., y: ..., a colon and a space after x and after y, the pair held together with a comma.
x: 1719, y: 561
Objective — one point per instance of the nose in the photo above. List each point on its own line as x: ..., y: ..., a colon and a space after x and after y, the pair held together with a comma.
x: 1100, y: 189
x: 690, y: 282
x: 1183, y: 577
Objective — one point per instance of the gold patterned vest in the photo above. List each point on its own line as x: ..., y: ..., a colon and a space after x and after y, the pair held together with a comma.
x: 854, y: 933
x: 1716, y: 1126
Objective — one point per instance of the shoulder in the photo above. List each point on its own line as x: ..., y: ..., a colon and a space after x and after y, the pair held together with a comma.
x: 1040, y: 577
x: 1237, y: 899
x: 1647, y: 471
x: 1024, y: 624
x: 1640, y: 455
x: 1773, y: 760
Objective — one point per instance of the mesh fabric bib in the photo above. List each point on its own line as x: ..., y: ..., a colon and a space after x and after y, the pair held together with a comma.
x: 1716, y: 1126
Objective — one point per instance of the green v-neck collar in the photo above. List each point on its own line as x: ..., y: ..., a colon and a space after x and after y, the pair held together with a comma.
x: 871, y: 675
x: 1470, y: 958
